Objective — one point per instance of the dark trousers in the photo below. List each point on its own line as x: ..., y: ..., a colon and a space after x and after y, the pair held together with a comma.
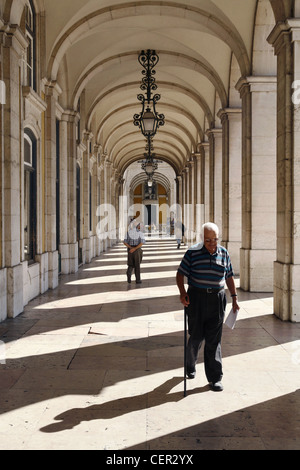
x: 205, y: 323
x: 134, y: 263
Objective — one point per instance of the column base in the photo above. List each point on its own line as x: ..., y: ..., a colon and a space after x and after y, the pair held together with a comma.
x: 69, y: 258
x: 257, y: 270
x: 287, y: 291
x: 15, y: 303
x: 233, y: 249
x: 31, y: 280
x: 3, y: 294
x: 53, y: 269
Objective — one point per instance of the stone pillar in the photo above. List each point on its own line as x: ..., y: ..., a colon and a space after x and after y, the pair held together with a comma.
x: 118, y: 190
x: 215, y: 176
x: 258, y: 182
x: 68, y: 247
x: 179, y: 191
x: 14, y: 45
x: 3, y: 273
x: 231, y: 119
x: 192, y: 198
x: 86, y: 252
x: 51, y: 96
x: 113, y: 203
x: 102, y: 201
x: 186, y: 197
x: 206, y: 181
x: 97, y: 150
x: 122, y: 212
x: 108, y: 196
x: 93, y: 204
x: 199, y: 196
x: 285, y: 38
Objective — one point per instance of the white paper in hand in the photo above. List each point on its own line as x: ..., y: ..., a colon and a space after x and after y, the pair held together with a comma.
x: 231, y: 319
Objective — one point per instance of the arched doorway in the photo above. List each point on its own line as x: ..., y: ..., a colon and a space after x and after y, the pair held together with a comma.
x: 151, y: 201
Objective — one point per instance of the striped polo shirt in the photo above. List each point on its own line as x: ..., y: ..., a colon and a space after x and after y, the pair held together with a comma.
x: 205, y: 270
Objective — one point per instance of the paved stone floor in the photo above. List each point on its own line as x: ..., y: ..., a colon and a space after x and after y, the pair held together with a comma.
x: 98, y: 364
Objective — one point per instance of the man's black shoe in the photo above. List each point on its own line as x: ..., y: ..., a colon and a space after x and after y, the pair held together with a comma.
x: 138, y: 282
x: 216, y: 387
x: 128, y: 279
x: 191, y: 375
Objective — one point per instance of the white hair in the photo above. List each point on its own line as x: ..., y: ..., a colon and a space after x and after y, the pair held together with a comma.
x: 209, y: 226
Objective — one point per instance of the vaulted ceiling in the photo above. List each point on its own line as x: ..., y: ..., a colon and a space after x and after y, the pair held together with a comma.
x: 204, y: 46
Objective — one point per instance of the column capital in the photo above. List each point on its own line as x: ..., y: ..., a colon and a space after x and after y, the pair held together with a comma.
x: 198, y: 157
x: 107, y: 162
x: 214, y: 132
x: 191, y: 162
x: 52, y: 88
x: 203, y: 147
x: 97, y: 148
x: 69, y: 115
x: 227, y: 113
x: 87, y: 135
x: 283, y: 33
x: 257, y: 84
x: 103, y: 156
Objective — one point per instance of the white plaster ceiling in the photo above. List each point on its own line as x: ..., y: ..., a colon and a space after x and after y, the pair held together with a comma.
x: 93, y: 46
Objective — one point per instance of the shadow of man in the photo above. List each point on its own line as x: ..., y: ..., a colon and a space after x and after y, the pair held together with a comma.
x: 109, y: 410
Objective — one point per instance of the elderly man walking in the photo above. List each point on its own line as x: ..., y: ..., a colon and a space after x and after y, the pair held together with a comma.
x: 207, y: 267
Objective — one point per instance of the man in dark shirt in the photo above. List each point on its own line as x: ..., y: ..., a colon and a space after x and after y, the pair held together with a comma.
x: 207, y: 267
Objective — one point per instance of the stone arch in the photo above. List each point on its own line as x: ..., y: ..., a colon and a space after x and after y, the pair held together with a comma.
x: 217, y: 27
x: 132, y: 157
x: 284, y: 9
x: 168, y: 106
x: 234, y: 99
x: 13, y: 10
x: 186, y: 61
x: 196, y: 97
x: 263, y: 57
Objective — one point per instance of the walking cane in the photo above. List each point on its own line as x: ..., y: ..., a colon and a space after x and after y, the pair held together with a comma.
x: 185, y: 344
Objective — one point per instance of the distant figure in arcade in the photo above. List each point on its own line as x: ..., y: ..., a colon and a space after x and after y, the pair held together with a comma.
x: 134, y: 241
x: 179, y: 233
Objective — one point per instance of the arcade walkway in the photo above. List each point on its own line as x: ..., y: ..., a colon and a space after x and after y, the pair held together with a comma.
x: 98, y: 364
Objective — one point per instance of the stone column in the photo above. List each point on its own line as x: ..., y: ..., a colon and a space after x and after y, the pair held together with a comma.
x: 102, y: 201
x: 108, y: 196
x: 68, y: 243
x: 93, y: 204
x: 199, y: 196
x: 179, y: 191
x: 118, y: 190
x: 3, y: 273
x: 206, y: 181
x: 192, y: 199
x: 186, y: 197
x: 51, y: 96
x: 258, y: 182
x: 122, y: 212
x: 215, y: 176
x: 231, y: 119
x: 97, y: 150
x: 113, y: 203
x: 86, y: 253
x: 285, y: 38
x: 14, y: 45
